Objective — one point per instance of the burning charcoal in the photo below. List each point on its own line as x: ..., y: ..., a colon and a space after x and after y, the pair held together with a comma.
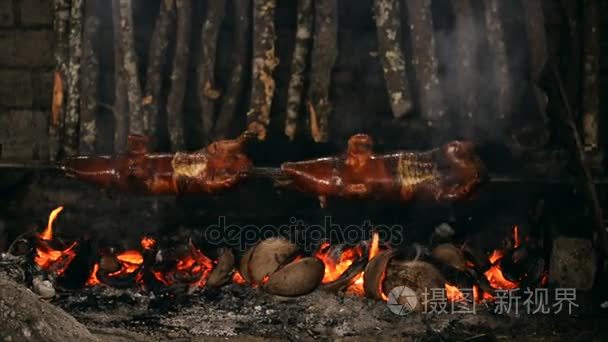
x: 43, y: 287
x: 450, y: 255
x: 265, y: 258
x: 109, y: 264
x: 572, y: 264
x: 221, y: 273
x: 297, y: 278
x: 347, y: 278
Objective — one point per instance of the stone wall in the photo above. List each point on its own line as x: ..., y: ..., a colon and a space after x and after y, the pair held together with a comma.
x: 26, y: 64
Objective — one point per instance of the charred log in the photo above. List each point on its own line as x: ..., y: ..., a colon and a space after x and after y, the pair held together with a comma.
x: 121, y: 102
x: 175, y: 100
x: 537, y: 42
x: 157, y: 59
x: 137, y: 122
x: 388, y: 23
x: 467, y: 41
x: 324, y: 56
x: 496, y: 41
x: 242, y: 31
x: 61, y: 9
x: 264, y: 63
x: 425, y: 59
x: 298, y: 65
x: 208, y: 92
x: 90, y: 80
x: 72, y: 115
x: 591, y: 81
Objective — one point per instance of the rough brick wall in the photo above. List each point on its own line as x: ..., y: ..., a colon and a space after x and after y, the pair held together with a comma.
x: 26, y: 63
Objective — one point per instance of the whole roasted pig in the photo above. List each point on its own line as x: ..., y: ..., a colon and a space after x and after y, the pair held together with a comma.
x: 216, y: 167
x: 446, y: 173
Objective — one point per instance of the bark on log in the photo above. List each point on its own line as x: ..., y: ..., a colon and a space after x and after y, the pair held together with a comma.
x: 388, y: 24
x: 496, y: 41
x: 241, y: 46
x: 298, y: 65
x: 137, y: 121
x: 264, y: 63
x: 121, y: 102
x: 591, y: 71
x: 425, y: 60
x: 24, y: 317
x: 61, y: 10
x: 208, y: 90
x: 324, y: 55
x: 72, y: 115
x: 573, y: 67
x: 156, y: 61
x: 89, y: 80
x: 467, y: 40
x: 537, y: 44
x: 179, y: 74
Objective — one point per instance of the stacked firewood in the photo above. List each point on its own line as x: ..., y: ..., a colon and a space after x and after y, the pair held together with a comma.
x: 408, y: 49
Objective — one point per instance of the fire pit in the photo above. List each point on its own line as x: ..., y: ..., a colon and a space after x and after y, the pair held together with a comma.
x: 305, y: 170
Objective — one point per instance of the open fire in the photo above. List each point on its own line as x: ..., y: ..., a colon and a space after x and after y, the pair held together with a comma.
x: 342, y: 268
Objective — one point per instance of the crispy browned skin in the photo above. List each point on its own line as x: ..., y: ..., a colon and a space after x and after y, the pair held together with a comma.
x: 217, y: 167
x: 447, y: 173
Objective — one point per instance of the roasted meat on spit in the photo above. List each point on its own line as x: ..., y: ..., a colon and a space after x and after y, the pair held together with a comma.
x: 217, y: 167
x: 446, y: 173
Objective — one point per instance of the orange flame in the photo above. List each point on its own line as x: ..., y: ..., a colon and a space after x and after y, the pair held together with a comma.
x: 453, y: 293
x: 494, y: 274
x: 516, y: 240
x: 47, y: 234
x: 196, y: 265
x: 130, y: 260
x: 237, y: 278
x: 374, y: 249
x: 49, y: 258
x: 335, y: 268
x: 496, y: 255
x: 93, y: 280
x: 497, y: 279
x: 148, y: 243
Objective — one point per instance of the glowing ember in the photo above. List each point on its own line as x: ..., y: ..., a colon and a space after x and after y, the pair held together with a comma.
x: 497, y: 279
x: 195, y: 267
x: 494, y: 274
x: 496, y: 255
x: 374, y: 249
x: 335, y: 268
x: 148, y: 243
x: 453, y: 293
x: 516, y: 240
x: 130, y: 261
x: 93, y: 280
x: 237, y: 278
x: 47, y: 234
